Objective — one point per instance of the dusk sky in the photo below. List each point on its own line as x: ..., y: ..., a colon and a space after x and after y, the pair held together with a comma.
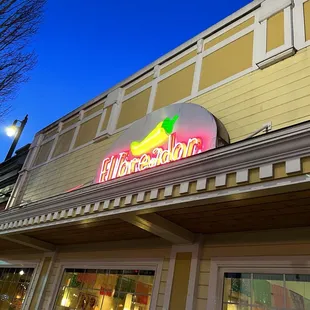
x: 86, y: 47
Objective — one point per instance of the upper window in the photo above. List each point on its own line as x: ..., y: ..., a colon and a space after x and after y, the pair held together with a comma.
x: 105, y: 289
x: 266, y: 291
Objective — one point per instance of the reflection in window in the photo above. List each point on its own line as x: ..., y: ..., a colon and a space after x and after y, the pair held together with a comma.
x: 14, y: 283
x: 253, y: 291
x: 105, y: 289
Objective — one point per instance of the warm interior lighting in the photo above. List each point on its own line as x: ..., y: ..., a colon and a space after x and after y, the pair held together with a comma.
x: 22, y: 272
x: 11, y: 131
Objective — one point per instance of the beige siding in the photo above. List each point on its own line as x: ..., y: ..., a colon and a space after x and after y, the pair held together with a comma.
x: 64, y: 173
x: 280, y: 94
x: 229, y: 33
x: 203, y: 284
x: 275, y: 31
x: 175, y: 87
x: 227, y: 61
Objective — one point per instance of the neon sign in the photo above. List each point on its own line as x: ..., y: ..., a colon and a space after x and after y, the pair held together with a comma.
x: 150, y: 152
x: 164, y: 136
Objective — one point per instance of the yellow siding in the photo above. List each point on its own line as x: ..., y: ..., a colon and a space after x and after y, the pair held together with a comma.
x: 178, y: 62
x: 134, y: 108
x: 175, y: 87
x: 43, y: 153
x: 229, y: 33
x: 275, y: 31
x: 87, y: 131
x: 63, y: 143
x: 66, y: 172
x: 227, y: 61
x: 180, y: 281
x: 280, y: 93
x: 138, y: 85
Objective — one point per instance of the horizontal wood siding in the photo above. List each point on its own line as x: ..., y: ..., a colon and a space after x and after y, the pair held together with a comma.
x: 67, y: 172
x: 280, y: 94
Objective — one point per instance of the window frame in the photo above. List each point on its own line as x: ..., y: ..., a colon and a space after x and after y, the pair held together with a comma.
x: 33, y: 281
x: 258, y: 264
x: 155, y: 265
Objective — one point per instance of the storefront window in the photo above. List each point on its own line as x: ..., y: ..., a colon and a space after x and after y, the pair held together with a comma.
x: 105, y: 289
x: 260, y: 291
x: 14, y: 283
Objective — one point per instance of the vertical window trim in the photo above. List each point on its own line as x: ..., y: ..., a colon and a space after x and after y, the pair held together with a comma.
x: 34, y: 278
x: 155, y: 265
x: 258, y: 264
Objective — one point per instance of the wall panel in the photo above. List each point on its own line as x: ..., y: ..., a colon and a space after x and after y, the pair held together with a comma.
x: 134, y: 108
x: 174, y: 87
x: 275, y: 31
x: 227, y: 61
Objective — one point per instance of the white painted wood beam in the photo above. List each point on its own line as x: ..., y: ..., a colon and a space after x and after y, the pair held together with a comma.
x: 161, y: 227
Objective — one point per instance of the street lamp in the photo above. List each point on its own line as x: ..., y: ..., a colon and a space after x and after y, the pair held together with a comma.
x: 15, y: 131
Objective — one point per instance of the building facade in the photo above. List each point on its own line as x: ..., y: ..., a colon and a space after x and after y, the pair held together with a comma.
x: 186, y: 186
x: 9, y: 170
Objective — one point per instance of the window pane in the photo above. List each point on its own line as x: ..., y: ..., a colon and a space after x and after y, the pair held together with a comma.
x: 103, y: 289
x: 237, y: 288
x: 298, y: 291
x: 262, y: 291
x: 14, y: 283
x: 268, y: 291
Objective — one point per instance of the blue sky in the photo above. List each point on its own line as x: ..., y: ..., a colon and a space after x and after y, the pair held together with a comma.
x: 85, y: 47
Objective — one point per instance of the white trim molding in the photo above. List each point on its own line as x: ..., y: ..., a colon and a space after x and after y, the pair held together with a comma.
x: 116, y: 263
x: 196, y: 250
x: 272, y: 7
x: 263, y: 58
x: 272, y: 264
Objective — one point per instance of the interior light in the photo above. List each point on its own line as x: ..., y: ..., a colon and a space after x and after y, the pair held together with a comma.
x: 11, y: 131
x: 22, y: 272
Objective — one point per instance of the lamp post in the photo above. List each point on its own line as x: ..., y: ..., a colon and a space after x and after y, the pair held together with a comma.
x: 15, y: 131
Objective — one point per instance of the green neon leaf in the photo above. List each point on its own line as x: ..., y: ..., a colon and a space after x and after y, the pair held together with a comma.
x: 169, y: 123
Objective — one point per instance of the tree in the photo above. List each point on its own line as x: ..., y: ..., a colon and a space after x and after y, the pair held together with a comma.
x: 19, y: 21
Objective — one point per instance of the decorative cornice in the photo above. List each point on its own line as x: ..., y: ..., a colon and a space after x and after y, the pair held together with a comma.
x: 284, y: 146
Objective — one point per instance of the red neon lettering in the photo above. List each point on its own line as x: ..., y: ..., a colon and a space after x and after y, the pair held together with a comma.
x: 120, y: 165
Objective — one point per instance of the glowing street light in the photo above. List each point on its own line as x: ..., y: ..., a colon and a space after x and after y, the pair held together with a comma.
x: 11, y: 131
x: 15, y: 131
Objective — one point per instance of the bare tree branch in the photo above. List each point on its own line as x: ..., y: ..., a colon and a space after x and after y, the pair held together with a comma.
x: 19, y: 21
